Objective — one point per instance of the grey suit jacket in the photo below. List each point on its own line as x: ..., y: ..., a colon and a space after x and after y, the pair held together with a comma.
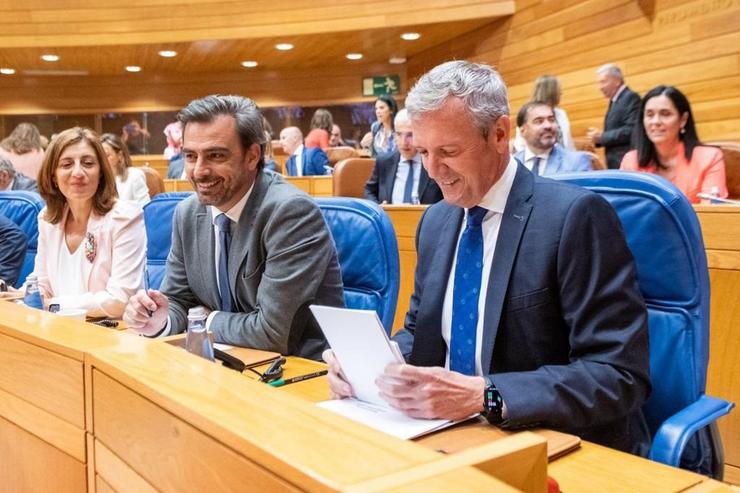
x: 282, y: 258
x: 22, y: 182
x: 561, y: 160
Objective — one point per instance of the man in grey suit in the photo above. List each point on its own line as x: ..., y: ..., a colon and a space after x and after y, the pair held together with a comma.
x: 249, y: 247
x: 10, y: 179
x: 542, y: 155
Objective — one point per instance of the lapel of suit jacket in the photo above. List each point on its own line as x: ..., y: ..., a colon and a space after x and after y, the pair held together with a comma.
x: 242, y: 233
x: 390, y: 177
x: 429, y: 347
x: 290, y: 165
x: 205, y: 246
x: 514, y: 220
x: 554, y: 161
x: 423, y: 180
x: 94, y: 233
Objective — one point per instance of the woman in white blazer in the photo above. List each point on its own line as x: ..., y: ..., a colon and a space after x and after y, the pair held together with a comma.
x: 91, y: 246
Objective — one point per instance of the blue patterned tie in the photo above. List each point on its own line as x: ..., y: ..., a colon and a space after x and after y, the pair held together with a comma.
x: 409, y: 189
x: 224, y: 241
x: 468, y: 273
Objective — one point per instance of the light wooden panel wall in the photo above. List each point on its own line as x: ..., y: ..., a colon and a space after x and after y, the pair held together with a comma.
x: 141, y: 92
x: 693, y: 44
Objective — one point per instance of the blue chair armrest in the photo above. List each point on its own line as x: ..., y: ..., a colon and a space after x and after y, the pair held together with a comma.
x: 671, y: 437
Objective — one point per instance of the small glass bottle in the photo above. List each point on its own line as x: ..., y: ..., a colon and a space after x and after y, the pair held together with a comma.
x: 33, y: 295
x: 197, y: 340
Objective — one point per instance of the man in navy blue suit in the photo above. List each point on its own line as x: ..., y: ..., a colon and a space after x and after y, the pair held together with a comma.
x: 542, y: 155
x: 13, y: 243
x: 303, y: 161
x: 526, y: 306
x: 389, y: 181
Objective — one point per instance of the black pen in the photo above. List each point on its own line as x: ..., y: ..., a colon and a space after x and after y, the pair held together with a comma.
x: 146, y: 287
x: 299, y: 378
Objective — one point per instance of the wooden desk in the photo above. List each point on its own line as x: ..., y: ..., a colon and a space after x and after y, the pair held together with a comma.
x: 590, y: 468
x: 720, y: 225
x: 155, y: 161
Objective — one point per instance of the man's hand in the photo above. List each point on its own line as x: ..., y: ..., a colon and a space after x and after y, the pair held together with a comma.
x: 146, y: 312
x: 595, y: 135
x: 367, y: 140
x: 338, y: 384
x: 431, y: 393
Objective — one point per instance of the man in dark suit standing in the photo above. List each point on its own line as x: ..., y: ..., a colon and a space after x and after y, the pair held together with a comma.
x: 398, y: 176
x: 10, y: 179
x: 526, y: 306
x: 621, y: 117
x: 303, y: 161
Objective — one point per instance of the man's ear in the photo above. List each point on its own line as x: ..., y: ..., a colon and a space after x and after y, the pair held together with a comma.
x: 500, y: 133
x: 252, y: 156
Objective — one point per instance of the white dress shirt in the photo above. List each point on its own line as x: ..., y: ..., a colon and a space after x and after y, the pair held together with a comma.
x: 299, y: 160
x: 529, y: 157
x: 495, y: 201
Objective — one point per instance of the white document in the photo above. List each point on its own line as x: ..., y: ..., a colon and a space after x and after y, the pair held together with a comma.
x: 363, y: 350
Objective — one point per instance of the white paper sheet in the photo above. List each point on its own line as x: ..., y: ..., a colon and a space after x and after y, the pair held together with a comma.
x: 384, y: 418
x: 361, y: 346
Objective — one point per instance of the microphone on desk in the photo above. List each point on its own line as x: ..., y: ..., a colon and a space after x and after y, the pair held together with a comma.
x: 717, y: 200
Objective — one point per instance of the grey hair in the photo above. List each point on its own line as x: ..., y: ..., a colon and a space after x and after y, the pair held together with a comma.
x: 611, y: 69
x: 401, y: 117
x: 7, y: 166
x: 479, y: 86
x: 245, y: 112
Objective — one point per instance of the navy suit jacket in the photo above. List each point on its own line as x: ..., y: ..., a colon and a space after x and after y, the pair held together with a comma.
x: 13, y: 244
x: 561, y: 160
x: 619, y: 122
x: 379, y: 187
x: 565, y: 327
x: 315, y: 162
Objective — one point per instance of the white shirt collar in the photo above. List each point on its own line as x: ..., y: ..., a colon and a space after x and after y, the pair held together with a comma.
x: 529, y: 155
x: 236, y: 211
x: 495, y: 199
x: 619, y: 91
x: 298, y: 151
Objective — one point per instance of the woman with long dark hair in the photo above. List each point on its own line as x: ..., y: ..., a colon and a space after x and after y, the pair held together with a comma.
x: 667, y: 145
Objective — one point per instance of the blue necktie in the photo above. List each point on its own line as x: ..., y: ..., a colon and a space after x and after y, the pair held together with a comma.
x: 409, y: 189
x: 465, y: 294
x: 536, y: 165
x: 224, y: 241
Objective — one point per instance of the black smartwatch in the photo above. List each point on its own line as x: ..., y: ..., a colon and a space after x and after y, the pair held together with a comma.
x: 493, y: 404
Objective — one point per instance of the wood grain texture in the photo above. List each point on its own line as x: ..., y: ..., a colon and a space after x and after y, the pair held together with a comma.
x: 692, y: 44
x: 31, y: 464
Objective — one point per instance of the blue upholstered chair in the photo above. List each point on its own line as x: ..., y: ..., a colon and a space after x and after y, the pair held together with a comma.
x: 368, y: 254
x: 664, y: 235
x: 158, y: 220
x: 23, y: 209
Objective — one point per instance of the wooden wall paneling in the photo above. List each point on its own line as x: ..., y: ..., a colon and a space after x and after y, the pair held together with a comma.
x: 693, y: 44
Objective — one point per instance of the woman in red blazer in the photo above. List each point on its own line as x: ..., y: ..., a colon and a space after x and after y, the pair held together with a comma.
x: 667, y: 145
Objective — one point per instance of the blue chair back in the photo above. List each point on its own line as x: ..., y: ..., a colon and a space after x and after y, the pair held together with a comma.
x: 158, y: 215
x: 23, y: 209
x: 665, y: 238
x: 368, y: 254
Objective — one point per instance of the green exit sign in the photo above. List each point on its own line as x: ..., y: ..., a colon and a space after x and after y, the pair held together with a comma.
x: 383, y: 84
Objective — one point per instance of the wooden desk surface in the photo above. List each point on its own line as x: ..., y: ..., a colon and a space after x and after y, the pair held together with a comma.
x: 590, y: 468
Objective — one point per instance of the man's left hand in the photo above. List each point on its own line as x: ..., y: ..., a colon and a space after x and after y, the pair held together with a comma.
x: 595, y: 135
x: 431, y: 392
